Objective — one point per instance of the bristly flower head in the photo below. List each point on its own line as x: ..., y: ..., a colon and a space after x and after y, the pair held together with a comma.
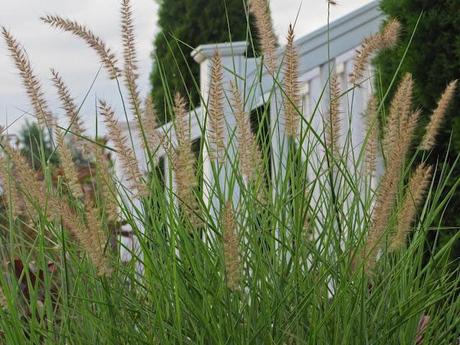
x: 429, y: 139
x: 291, y: 86
x: 108, y: 58
x: 216, y: 111
x: 261, y: 11
x: 231, y: 248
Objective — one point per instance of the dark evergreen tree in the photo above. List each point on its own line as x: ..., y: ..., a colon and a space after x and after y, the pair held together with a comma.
x: 185, y: 24
x: 434, y: 60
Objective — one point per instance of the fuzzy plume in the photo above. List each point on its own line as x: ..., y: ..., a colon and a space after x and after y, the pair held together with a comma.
x: 388, y: 188
x: 95, y: 239
x: 76, y: 125
x: 107, y: 186
x: 333, y: 121
x: 106, y: 56
x: 372, y: 136
x: 126, y: 155
x: 216, y: 110
x: 248, y: 150
x: 184, y: 162
x: 382, y: 40
x: 130, y: 74
x: 30, y: 81
x: 291, y: 86
x: 429, y: 139
x: 400, y: 109
x: 231, y: 250
x: 418, y: 184
x: 68, y: 165
x: 27, y: 179
x: 262, y: 14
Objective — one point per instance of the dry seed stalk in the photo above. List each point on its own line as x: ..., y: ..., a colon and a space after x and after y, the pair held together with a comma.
x: 262, y: 14
x: 437, y: 117
x: 68, y: 165
x: 291, y: 86
x: 333, y: 122
x: 231, y: 250
x: 184, y: 161
x: 399, y: 111
x: 125, y: 153
x: 30, y: 81
x: 130, y: 75
x: 248, y: 150
x: 216, y: 111
x: 372, y: 140
x: 106, y: 56
x: 75, y: 122
x: 418, y: 184
x: 383, y: 40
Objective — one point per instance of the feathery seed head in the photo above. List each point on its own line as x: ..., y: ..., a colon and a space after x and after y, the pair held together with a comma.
x: 106, y: 56
x: 216, y: 110
x: 333, y: 121
x: 291, y: 86
x: 68, y: 166
x: 184, y: 162
x: 385, y: 39
x: 249, y: 153
x: 261, y: 11
x: 231, y: 250
x: 30, y: 81
x: 372, y: 136
x: 126, y: 155
x: 130, y: 74
x: 429, y: 139
x: 75, y: 122
x: 418, y: 185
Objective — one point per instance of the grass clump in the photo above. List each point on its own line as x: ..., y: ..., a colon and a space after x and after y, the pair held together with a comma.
x: 308, y: 254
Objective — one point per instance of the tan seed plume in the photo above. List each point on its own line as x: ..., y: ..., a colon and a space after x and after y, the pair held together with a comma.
x: 76, y: 125
x: 333, y: 123
x: 27, y: 180
x: 106, y: 56
x: 231, y: 248
x: 264, y: 24
x: 249, y: 153
x: 400, y: 109
x: 95, y: 239
x: 68, y: 165
x: 30, y: 81
x: 429, y: 139
x: 388, y: 188
x: 372, y: 136
x: 126, y: 155
x: 184, y: 163
x: 418, y: 185
x: 216, y: 110
x: 291, y: 86
x: 130, y: 74
x: 106, y: 183
x: 382, y: 40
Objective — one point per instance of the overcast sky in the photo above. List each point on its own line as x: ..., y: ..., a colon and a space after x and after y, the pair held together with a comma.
x: 48, y: 48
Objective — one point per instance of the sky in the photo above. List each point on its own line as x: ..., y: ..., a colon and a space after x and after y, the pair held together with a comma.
x: 49, y: 48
